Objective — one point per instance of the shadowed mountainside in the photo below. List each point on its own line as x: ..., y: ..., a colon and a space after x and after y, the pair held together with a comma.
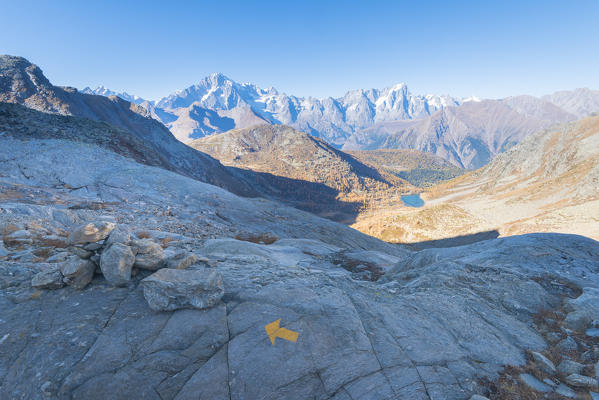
x: 279, y: 154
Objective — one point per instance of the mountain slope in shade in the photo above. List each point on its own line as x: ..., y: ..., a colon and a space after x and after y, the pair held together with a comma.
x: 469, y: 136
x: 580, y: 102
x: 547, y: 183
x: 24, y: 83
x: 279, y: 151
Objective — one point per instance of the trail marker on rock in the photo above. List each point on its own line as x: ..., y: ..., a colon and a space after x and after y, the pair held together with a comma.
x: 274, y: 331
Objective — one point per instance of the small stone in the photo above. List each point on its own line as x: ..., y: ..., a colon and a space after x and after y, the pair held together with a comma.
x: 591, y: 356
x: 77, y: 272
x: 80, y: 252
x: 91, y: 232
x: 149, y: 255
x: 544, y: 363
x: 534, y: 383
x: 569, y: 367
x: 50, y: 278
x: 549, y: 382
x: 567, y: 345
x: 58, y: 257
x: 3, y: 251
x: 18, y: 238
x: 171, y: 289
x: 594, y: 396
x: 93, y: 246
x: 120, y: 234
x: 116, y: 263
x: 181, y: 260
x: 47, y: 388
x: 565, y: 391
x: 478, y: 397
x: 581, y: 381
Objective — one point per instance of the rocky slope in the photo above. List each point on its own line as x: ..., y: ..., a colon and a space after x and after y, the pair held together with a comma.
x: 580, y: 102
x: 470, y: 135
x: 277, y: 151
x: 547, y: 183
x: 374, y: 321
x: 24, y: 83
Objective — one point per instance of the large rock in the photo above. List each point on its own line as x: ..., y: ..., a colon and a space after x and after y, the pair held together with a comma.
x: 78, y: 272
x: 171, y: 289
x: 91, y: 232
x: 149, y: 254
x: 120, y: 234
x: 116, y: 263
x: 50, y: 278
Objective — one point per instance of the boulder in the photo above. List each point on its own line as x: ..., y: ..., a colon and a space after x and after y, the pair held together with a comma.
x: 149, y: 255
x: 94, y: 246
x: 78, y: 272
x: 3, y: 251
x: 569, y: 367
x: 544, y: 363
x: 581, y: 381
x: 91, y: 232
x: 171, y: 289
x: 591, y: 356
x: 50, y: 278
x: 120, y: 234
x: 181, y: 260
x: 567, y: 345
x: 116, y: 263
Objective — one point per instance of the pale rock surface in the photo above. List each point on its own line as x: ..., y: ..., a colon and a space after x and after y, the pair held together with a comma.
x: 77, y: 272
x: 91, y: 232
x: 172, y: 289
x: 49, y: 278
x: 148, y: 254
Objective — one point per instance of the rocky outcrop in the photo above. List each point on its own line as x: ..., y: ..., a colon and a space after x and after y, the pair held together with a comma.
x: 172, y: 289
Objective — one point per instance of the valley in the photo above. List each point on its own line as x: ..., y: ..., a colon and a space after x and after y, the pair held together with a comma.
x: 156, y: 250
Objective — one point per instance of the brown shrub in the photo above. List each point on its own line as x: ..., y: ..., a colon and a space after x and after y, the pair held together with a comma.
x: 260, y: 238
x: 144, y: 235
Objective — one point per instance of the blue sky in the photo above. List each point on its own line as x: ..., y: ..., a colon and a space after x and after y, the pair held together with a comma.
x: 320, y: 48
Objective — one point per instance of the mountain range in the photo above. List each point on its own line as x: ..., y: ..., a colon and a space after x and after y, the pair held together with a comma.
x: 466, y: 132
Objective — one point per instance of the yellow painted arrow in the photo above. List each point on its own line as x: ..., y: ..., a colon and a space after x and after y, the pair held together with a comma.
x: 274, y: 331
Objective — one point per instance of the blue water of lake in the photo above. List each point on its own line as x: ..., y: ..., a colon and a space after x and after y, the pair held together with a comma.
x: 412, y: 200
